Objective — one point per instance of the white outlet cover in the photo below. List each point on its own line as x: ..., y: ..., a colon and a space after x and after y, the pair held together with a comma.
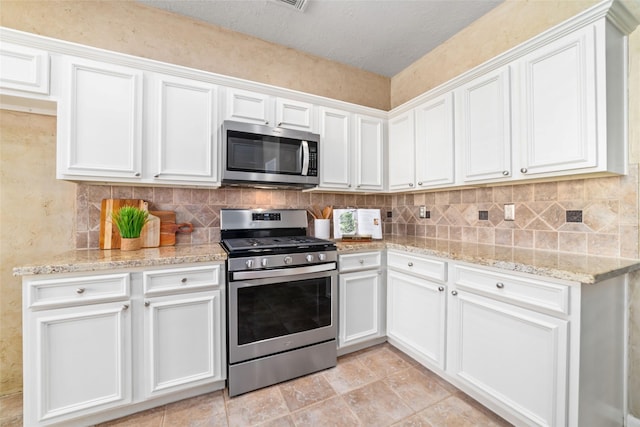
x: 509, y: 212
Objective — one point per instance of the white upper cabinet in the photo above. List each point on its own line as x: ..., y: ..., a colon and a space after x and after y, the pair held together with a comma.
x: 100, y: 121
x: 483, y: 126
x: 335, y: 148
x: 434, y: 142
x: 254, y: 107
x: 24, y: 68
x: 401, y: 152
x: 562, y: 105
x: 368, y: 153
x: 182, y: 130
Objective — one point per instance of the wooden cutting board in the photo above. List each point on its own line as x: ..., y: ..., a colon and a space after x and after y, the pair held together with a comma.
x: 109, y: 234
x: 168, y: 227
x: 150, y: 234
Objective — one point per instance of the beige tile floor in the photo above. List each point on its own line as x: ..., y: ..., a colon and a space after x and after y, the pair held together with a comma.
x: 379, y: 386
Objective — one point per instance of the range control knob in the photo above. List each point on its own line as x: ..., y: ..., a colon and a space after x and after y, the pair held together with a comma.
x: 249, y: 263
x: 322, y: 257
x: 309, y: 258
x: 264, y: 262
x: 288, y: 260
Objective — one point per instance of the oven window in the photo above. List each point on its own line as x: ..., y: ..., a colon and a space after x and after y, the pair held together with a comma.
x: 281, y: 309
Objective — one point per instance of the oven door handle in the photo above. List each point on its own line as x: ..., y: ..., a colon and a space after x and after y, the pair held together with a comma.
x: 305, y: 158
x: 265, y: 274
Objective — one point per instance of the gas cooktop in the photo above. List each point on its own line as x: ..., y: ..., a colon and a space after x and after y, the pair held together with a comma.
x: 244, y: 244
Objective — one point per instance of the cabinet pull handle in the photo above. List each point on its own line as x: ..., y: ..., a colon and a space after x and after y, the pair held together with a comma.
x: 80, y: 291
x: 441, y: 288
x: 410, y: 264
x: 147, y: 303
x: 125, y: 307
x: 184, y: 280
x: 523, y: 170
x: 505, y: 173
x: 499, y: 285
x: 454, y: 293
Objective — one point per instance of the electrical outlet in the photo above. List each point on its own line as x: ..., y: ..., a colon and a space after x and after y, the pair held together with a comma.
x: 483, y: 215
x: 510, y: 212
x: 423, y: 212
x: 574, y: 216
x: 389, y: 214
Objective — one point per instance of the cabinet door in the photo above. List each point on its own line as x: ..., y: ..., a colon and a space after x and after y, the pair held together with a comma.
x: 434, y: 142
x: 183, y: 344
x: 416, y: 317
x: 516, y: 356
x: 184, y: 130
x: 483, y: 122
x: 295, y: 115
x: 24, y: 68
x: 246, y: 106
x: 77, y: 361
x: 558, y: 105
x: 361, y: 307
x: 369, y: 146
x: 100, y: 121
x: 401, y: 152
x: 335, y: 148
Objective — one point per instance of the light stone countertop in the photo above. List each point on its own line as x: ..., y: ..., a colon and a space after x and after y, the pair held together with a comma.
x: 574, y: 267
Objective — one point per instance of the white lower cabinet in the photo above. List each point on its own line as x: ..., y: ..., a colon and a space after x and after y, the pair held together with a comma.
x: 95, y: 349
x: 416, y: 307
x: 361, y: 300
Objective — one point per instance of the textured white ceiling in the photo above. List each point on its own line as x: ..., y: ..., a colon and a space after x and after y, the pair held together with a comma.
x: 381, y: 36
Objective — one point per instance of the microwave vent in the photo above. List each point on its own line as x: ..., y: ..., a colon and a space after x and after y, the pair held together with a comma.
x: 296, y: 4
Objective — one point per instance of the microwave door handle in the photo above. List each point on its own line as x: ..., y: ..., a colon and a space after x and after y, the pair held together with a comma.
x: 305, y: 157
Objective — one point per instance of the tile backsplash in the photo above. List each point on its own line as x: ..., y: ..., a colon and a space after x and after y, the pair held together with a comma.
x: 546, y: 214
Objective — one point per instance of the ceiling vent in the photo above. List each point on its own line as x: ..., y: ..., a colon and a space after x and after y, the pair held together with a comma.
x: 299, y: 5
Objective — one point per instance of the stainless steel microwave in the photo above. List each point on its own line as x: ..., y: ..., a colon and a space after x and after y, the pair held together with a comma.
x: 258, y: 155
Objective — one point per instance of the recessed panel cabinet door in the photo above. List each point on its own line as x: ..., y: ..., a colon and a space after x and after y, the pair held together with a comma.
x: 416, y: 315
x: 558, y: 102
x: 83, y: 361
x: 369, y: 146
x: 183, y: 342
x: 361, y: 307
x: 335, y: 152
x: 401, y: 152
x: 100, y: 120
x: 483, y: 124
x: 184, y: 130
x: 514, y: 355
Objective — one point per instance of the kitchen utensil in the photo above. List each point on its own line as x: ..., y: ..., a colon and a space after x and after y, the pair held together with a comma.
x: 109, y: 234
x: 169, y: 228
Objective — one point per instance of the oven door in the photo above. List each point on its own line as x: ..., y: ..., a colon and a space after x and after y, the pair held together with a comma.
x: 272, y: 315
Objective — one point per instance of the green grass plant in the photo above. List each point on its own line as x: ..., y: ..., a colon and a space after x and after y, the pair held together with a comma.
x: 130, y: 220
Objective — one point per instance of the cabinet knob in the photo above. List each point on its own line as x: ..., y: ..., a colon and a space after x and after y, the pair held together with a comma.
x: 125, y: 306
x: 419, y: 182
x: 137, y: 174
x: 156, y: 175
x: 410, y: 264
x: 505, y: 173
x: 499, y: 285
x: 184, y: 280
x: 524, y: 170
x: 454, y: 293
x: 279, y: 124
x: 361, y: 261
x: 441, y: 288
x: 80, y: 291
x: 411, y: 184
x: 266, y: 122
x: 147, y: 303
x: 349, y: 185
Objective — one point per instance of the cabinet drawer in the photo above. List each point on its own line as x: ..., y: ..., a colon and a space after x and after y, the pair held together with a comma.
x: 522, y: 291
x: 77, y: 290
x: 359, y: 261
x: 412, y: 264
x: 181, y: 279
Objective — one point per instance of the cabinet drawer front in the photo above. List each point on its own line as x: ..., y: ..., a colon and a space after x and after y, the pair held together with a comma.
x: 181, y: 279
x: 351, y: 262
x: 77, y: 290
x: 412, y: 264
x: 528, y: 292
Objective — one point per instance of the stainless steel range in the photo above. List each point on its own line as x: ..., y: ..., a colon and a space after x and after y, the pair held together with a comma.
x: 282, y: 298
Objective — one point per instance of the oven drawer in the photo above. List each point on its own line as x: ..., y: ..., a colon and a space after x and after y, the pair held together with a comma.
x: 522, y: 291
x: 417, y: 265
x: 181, y: 279
x: 359, y: 261
x: 83, y: 290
